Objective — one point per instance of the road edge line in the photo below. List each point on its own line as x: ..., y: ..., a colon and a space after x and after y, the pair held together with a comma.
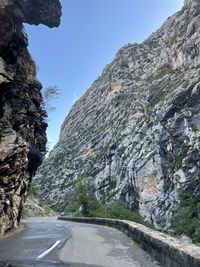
x: 49, y: 250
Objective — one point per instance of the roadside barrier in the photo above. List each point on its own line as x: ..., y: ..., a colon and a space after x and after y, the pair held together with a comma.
x: 166, y: 250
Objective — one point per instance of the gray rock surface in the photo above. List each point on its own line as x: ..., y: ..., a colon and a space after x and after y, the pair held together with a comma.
x: 136, y: 129
x: 186, y: 239
x: 33, y: 209
x: 35, y: 12
x: 22, y: 125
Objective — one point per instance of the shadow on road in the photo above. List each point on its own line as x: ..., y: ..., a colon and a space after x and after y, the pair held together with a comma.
x: 42, y: 264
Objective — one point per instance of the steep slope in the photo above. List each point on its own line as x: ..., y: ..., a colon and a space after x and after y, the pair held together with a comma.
x: 136, y: 130
x: 22, y: 126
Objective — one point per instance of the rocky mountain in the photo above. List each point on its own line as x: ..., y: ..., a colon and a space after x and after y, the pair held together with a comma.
x: 136, y: 129
x: 33, y: 208
x: 22, y: 125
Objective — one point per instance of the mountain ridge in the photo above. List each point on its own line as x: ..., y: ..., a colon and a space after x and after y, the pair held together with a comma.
x: 135, y: 131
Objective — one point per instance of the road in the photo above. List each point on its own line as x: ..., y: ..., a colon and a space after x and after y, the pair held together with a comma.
x: 50, y: 242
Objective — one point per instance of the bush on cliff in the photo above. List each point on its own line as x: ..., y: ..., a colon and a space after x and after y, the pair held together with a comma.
x: 118, y: 210
x: 33, y: 200
x: 187, y: 216
x: 84, y: 203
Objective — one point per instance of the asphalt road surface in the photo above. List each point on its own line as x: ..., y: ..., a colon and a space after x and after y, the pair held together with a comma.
x: 50, y: 242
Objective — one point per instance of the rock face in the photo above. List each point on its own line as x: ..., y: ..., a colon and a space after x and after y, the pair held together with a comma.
x: 33, y: 208
x: 136, y: 130
x: 22, y: 125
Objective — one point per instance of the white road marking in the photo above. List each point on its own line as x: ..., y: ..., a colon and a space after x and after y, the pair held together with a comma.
x: 49, y: 250
x: 59, y: 225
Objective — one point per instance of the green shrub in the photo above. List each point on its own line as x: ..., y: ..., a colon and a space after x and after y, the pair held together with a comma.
x: 33, y: 191
x: 186, y: 219
x: 2, y: 179
x: 48, y: 211
x: 85, y: 200
x: 84, y: 203
x: 118, y: 210
x: 25, y: 213
x: 34, y: 196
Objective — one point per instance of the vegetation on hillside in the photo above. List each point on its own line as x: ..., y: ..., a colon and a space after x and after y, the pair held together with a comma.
x: 34, y: 196
x: 187, y: 216
x: 84, y: 203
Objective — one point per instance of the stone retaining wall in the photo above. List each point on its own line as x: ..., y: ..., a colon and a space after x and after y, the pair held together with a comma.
x: 167, y: 250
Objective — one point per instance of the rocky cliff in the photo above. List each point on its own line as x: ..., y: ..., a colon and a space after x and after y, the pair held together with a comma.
x: 22, y: 125
x: 136, y: 130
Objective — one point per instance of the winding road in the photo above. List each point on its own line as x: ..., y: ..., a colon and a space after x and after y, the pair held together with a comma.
x: 49, y: 242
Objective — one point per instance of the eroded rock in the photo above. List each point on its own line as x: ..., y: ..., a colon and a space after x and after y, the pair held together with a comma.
x: 22, y: 125
x: 136, y: 131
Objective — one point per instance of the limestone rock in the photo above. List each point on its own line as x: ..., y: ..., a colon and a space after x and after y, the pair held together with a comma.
x: 186, y: 239
x: 36, y: 12
x: 22, y: 125
x: 33, y: 209
x: 136, y: 131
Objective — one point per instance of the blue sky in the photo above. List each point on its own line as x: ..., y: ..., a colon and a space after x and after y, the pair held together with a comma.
x: 73, y: 55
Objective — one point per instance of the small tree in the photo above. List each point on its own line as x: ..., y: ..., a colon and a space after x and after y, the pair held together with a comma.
x: 50, y: 93
x: 187, y: 216
x: 83, y: 195
x: 84, y: 198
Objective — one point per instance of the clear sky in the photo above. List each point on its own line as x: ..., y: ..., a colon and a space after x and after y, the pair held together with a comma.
x: 73, y: 56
